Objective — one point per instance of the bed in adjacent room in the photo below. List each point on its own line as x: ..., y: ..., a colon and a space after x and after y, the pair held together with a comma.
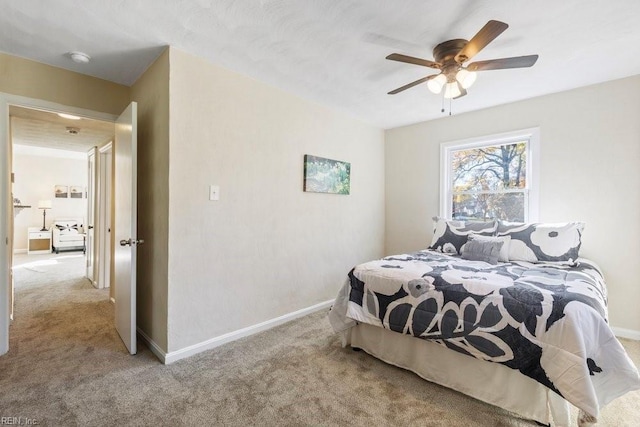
x: 506, y: 313
x: 68, y: 235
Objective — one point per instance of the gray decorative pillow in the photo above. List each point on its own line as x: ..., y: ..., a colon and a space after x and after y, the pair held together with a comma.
x: 540, y: 242
x: 450, y: 236
x: 482, y: 250
x: 506, y: 240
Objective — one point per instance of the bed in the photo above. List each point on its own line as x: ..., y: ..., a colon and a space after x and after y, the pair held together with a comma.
x: 490, y: 304
x: 67, y: 235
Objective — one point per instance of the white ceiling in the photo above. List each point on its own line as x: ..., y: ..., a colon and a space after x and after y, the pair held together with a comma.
x: 332, y: 51
x: 35, y: 128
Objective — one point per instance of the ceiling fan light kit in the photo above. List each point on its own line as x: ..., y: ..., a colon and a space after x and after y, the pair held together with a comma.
x: 450, y: 57
x: 452, y: 90
x: 436, y: 84
x: 466, y: 77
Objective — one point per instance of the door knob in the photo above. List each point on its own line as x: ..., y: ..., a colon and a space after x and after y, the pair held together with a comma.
x: 130, y: 242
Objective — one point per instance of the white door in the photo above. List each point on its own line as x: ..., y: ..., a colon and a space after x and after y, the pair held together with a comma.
x: 125, y: 232
x: 89, y: 241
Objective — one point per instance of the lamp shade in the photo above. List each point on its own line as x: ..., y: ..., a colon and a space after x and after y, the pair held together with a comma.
x: 451, y: 90
x: 435, y: 84
x: 44, y: 204
x: 466, y: 77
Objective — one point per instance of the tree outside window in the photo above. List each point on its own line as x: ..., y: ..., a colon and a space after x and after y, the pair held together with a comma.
x: 490, y: 182
x: 489, y: 178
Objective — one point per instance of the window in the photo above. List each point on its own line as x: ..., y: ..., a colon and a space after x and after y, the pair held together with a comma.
x: 493, y: 177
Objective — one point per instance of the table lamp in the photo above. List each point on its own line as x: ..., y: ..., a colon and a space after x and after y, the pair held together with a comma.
x: 44, y: 205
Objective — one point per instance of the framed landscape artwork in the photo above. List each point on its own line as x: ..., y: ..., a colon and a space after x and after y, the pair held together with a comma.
x: 61, y: 191
x: 326, y: 176
x: 77, y: 192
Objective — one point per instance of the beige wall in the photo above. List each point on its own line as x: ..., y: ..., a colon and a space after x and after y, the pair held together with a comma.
x: 23, y: 77
x: 265, y: 248
x: 590, y: 149
x: 151, y: 92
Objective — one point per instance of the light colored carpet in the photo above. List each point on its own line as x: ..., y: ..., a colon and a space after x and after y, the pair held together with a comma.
x: 67, y: 366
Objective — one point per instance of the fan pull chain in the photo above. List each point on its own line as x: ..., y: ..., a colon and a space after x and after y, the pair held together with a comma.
x: 442, y: 109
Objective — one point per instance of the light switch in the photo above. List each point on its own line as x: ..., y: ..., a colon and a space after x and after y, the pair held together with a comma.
x: 214, y: 192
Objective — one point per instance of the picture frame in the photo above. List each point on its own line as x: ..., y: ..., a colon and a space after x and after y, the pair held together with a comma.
x: 61, y: 191
x: 322, y: 175
x: 76, y: 192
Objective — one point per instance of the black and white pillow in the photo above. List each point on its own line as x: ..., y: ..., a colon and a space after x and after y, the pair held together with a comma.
x: 67, y: 228
x: 536, y: 242
x: 450, y: 236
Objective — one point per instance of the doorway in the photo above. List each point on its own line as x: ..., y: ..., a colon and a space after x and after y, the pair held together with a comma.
x: 8, y: 107
x: 55, y: 172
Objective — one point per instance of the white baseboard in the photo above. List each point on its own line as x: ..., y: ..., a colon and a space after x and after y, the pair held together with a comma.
x: 19, y: 251
x: 626, y: 333
x: 174, y: 356
x: 155, y: 348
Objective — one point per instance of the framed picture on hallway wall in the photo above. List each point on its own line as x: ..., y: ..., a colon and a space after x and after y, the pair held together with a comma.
x: 61, y: 191
x: 77, y: 192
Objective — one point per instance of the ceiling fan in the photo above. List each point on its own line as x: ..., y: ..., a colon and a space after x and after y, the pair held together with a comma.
x: 450, y: 57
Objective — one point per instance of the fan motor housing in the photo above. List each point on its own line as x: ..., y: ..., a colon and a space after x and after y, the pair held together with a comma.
x: 447, y: 51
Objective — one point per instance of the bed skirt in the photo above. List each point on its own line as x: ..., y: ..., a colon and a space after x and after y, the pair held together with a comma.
x: 479, y: 379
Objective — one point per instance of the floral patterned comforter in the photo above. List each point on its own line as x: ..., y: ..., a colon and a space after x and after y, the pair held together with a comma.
x: 546, y: 320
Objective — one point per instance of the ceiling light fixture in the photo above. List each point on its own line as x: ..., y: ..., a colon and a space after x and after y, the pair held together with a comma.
x: 436, y: 84
x: 80, y: 57
x: 451, y: 90
x: 454, y: 79
x: 449, y: 80
x: 466, y: 77
x: 450, y: 58
x: 69, y: 116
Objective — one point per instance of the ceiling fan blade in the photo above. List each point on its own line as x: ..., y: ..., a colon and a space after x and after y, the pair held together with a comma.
x: 486, y: 35
x: 412, y: 84
x: 503, y: 63
x: 412, y: 60
x: 463, y: 91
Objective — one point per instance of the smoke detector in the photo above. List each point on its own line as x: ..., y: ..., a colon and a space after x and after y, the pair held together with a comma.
x: 72, y: 130
x: 80, y: 57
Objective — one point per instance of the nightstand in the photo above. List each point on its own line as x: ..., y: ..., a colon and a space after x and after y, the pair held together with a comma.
x: 39, y: 242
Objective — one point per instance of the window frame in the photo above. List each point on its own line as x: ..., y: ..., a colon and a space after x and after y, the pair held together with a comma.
x: 532, y: 195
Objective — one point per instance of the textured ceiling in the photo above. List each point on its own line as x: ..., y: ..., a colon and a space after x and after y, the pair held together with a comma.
x: 332, y: 51
x: 46, y: 129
